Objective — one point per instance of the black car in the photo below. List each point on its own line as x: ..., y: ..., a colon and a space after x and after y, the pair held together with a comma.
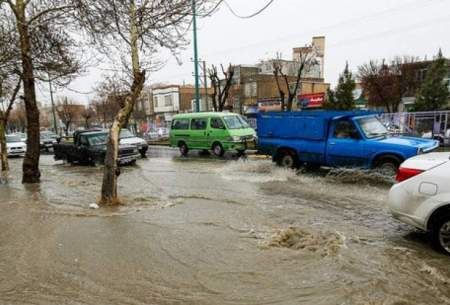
x: 89, y: 147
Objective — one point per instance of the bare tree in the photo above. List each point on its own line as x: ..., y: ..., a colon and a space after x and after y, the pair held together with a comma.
x: 305, y: 60
x: 386, y: 84
x: 9, y: 85
x: 221, y: 87
x: 17, y: 120
x: 132, y: 32
x: 7, y: 98
x: 87, y: 115
x: 68, y: 113
x: 45, y: 46
x: 110, y: 97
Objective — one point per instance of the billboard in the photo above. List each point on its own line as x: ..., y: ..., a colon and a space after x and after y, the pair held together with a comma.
x: 266, y: 105
x: 313, y: 100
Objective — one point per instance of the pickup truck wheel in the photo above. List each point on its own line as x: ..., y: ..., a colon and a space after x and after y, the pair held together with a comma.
x: 218, y: 149
x: 441, y: 234
x: 143, y: 153
x: 287, y: 159
x: 183, y: 149
x: 388, y: 166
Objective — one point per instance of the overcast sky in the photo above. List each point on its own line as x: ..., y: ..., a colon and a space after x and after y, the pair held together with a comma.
x: 356, y: 31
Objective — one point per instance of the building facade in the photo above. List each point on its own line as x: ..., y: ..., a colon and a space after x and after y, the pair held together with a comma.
x: 167, y: 100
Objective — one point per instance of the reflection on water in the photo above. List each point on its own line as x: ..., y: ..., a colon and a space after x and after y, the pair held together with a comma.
x: 200, y: 230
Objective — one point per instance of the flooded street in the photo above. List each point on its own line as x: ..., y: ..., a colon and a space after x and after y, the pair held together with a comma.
x: 200, y: 230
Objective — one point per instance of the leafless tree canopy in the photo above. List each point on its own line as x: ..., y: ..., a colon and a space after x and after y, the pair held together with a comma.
x: 221, y: 86
x: 68, y: 113
x: 56, y: 47
x: 386, y: 84
x: 160, y: 24
x: 305, y: 60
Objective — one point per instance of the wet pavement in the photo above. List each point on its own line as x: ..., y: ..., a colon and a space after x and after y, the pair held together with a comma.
x: 202, y: 230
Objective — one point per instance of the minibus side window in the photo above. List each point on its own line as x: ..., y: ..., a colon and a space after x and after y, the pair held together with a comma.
x: 199, y: 124
x: 217, y: 123
x: 180, y: 124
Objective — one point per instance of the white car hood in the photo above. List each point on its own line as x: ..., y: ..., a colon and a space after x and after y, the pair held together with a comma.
x: 16, y: 145
x: 427, y: 161
x: 132, y: 141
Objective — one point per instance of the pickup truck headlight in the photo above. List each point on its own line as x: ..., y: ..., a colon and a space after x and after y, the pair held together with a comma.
x: 235, y: 138
x: 135, y: 150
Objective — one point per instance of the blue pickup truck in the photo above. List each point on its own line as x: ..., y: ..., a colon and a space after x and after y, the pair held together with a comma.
x: 335, y: 139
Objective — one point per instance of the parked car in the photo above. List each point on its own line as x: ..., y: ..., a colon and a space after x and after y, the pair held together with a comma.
x: 22, y: 135
x: 126, y: 137
x: 46, y: 141
x: 89, y: 147
x: 15, y: 146
x: 421, y: 197
x: 335, y: 139
x: 443, y: 138
x: 217, y: 131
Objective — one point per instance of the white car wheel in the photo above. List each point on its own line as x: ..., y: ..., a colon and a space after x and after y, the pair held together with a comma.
x: 444, y: 236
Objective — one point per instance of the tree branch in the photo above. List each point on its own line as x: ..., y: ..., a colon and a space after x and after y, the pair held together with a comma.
x: 13, y: 98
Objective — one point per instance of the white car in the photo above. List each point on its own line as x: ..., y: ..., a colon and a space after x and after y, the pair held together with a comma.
x: 422, y: 196
x: 126, y: 137
x: 15, y: 146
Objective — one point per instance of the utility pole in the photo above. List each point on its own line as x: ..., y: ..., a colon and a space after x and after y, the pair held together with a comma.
x: 197, y: 82
x: 205, y: 79
x: 55, y: 126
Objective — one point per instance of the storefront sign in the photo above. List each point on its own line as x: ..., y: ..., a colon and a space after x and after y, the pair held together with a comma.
x: 269, y: 105
x: 311, y: 100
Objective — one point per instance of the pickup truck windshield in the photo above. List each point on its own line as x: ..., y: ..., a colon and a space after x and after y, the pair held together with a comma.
x: 372, y: 127
x: 235, y: 122
x: 97, y: 139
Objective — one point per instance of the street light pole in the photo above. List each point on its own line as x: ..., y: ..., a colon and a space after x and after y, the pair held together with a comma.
x: 55, y: 126
x: 205, y: 78
x: 197, y: 81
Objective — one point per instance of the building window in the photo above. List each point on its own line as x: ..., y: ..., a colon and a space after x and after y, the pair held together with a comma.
x: 250, y: 89
x: 168, y: 101
x: 155, y: 101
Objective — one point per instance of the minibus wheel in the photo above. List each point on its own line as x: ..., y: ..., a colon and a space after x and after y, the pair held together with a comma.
x: 218, y: 149
x: 183, y: 148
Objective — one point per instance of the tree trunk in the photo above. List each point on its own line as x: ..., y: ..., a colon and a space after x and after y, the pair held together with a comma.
x: 111, y: 170
x: 3, y: 151
x: 31, y: 173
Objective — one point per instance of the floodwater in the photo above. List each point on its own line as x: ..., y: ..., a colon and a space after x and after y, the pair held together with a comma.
x: 200, y: 230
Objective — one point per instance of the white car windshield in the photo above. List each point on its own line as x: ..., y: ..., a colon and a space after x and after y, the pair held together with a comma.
x: 372, y: 127
x: 125, y: 133
x: 235, y: 122
x: 12, y: 139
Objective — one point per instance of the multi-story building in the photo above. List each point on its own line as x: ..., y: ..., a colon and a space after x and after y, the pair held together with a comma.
x: 255, y: 87
x: 168, y: 100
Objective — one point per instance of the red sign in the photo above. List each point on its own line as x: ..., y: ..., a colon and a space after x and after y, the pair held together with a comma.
x: 311, y: 100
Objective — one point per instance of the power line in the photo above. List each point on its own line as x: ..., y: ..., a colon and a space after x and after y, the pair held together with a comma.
x: 249, y: 16
x: 212, y: 10
x: 344, y: 23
